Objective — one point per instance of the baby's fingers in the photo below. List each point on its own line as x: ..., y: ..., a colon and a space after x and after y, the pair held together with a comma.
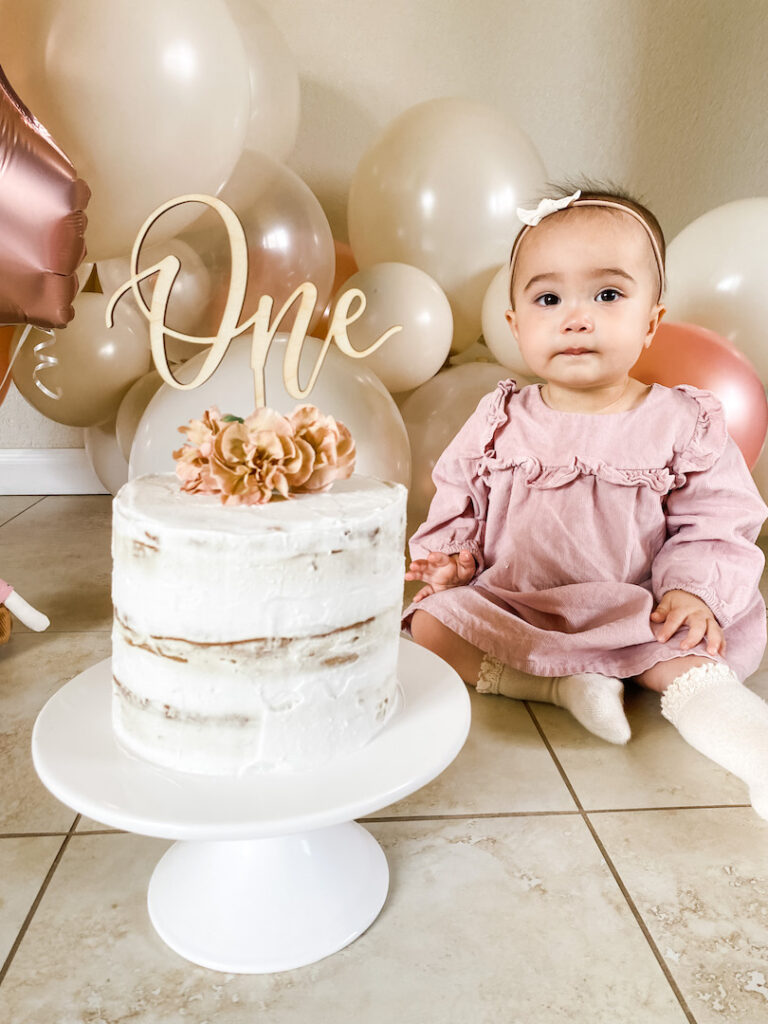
x: 697, y: 627
x: 715, y: 638
x: 424, y: 592
x: 672, y: 623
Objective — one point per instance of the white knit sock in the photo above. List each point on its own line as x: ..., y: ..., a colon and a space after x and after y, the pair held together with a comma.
x: 725, y: 721
x: 593, y: 699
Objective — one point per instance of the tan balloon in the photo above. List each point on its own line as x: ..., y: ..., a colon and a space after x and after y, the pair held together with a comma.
x: 148, y: 100
x: 108, y: 462
x: 78, y: 375
x: 433, y: 415
x: 496, y: 331
x: 132, y: 407
x: 398, y: 294
x: 438, y: 189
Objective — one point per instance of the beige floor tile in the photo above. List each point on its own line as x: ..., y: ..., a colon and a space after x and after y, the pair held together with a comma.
x: 32, y: 667
x: 516, y: 920
x: 57, y: 556
x: 13, y: 504
x: 656, y: 768
x: 700, y: 881
x: 503, y: 767
x: 24, y: 863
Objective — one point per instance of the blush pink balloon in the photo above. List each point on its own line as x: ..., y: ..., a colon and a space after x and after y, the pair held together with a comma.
x: 688, y: 354
x: 42, y: 223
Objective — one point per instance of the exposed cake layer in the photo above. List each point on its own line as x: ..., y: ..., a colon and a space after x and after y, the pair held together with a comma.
x: 294, y: 567
x: 262, y: 637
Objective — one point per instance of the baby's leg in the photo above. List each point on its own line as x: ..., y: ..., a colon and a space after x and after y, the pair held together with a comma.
x: 594, y: 700
x: 718, y: 716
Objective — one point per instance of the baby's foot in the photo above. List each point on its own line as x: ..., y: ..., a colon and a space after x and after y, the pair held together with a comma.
x: 597, y: 702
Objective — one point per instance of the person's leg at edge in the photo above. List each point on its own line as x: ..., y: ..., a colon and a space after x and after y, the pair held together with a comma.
x: 718, y: 716
x: 594, y: 700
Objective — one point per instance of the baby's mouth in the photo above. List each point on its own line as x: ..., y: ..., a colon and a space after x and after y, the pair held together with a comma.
x: 575, y: 351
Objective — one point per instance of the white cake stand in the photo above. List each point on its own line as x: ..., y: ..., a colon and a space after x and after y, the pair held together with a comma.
x: 271, y: 872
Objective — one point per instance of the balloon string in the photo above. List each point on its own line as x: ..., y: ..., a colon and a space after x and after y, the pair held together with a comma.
x: 45, y: 362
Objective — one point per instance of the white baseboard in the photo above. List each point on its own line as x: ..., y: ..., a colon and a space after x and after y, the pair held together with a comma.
x: 47, y: 471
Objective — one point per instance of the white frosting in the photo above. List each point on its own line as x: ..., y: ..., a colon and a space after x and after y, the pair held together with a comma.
x: 298, y: 604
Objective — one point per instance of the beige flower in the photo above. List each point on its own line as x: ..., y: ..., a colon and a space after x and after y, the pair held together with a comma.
x: 331, y: 444
x: 192, y: 459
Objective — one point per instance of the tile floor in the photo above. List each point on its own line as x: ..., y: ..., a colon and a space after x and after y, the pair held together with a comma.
x: 544, y: 877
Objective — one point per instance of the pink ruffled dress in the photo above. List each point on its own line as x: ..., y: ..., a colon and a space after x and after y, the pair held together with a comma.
x: 580, y: 523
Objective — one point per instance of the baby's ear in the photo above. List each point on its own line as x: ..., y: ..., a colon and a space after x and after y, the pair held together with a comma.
x: 657, y: 315
x: 511, y: 318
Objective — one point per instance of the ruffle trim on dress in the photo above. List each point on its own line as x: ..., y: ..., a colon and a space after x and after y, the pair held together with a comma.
x: 701, y: 677
x: 709, y: 437
x: 542, y: 477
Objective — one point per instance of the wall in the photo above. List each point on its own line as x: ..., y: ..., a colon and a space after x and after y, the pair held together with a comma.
x: 664, y: 96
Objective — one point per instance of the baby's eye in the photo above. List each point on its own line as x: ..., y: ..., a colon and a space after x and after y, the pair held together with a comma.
x: 608, y: 295
x: 547, y: 299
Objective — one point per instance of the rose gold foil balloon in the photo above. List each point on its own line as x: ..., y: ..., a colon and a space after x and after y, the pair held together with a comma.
x: 345, y: 268
x: 42, y: 224
x: 688, y: 354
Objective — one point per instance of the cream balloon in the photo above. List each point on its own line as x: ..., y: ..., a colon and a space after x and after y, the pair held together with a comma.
x: 398, y: 294
x: 149, y: 101
x: 274, y: 81
x: 344, y: 389
x: 78, y: 375
x: 717, y: 276
x: 132, y: 407
x: 496, y: 331
x: 103, y: 451
x: 433, y: 415
x: 438, y: 189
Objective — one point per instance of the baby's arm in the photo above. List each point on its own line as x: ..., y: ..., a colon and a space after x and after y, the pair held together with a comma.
x: 440, y: 571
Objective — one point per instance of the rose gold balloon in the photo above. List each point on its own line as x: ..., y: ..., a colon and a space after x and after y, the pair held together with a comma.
x: 42, y: 224
x: 688, y: 354
x: 6, y: 336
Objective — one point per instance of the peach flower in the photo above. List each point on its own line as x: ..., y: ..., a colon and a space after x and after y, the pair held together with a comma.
x: 331, y: 444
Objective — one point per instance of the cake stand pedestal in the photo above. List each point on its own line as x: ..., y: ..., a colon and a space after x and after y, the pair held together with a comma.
x: 269, y: 872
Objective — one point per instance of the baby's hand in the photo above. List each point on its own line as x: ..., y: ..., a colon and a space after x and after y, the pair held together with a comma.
x: 440, y: 571
x: 678, y: 608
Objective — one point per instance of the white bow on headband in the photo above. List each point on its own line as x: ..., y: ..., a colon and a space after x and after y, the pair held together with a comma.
x: 545, y: 208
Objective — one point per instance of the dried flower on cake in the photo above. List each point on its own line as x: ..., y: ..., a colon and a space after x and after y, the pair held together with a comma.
x: 249, y: 461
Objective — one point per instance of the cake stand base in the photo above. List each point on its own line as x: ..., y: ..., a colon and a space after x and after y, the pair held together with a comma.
x: 263, y: 905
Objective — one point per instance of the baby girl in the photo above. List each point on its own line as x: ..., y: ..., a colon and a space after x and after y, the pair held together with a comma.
x: 594, y: 529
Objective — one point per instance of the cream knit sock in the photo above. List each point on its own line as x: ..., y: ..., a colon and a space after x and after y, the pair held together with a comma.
x: 725, y: 721
x: 594, y: 700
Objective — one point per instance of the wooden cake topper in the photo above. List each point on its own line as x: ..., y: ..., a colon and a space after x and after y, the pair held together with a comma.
x: 263, y: 325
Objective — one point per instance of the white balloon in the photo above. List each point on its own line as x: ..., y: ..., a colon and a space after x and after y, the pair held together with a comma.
x: 108, y: 462
x: 439, y: 189
x: 717, y: 274
x: 397, y: 294
x: 274, y: 81
x: 496, y: 331
x: 345, y: 389
x: 433, y: 415
x: 132, y: 409
x: 148, y: 101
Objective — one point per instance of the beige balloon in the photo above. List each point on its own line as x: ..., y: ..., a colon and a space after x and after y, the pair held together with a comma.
x: 104, y: 454
x: 496, y: 331
x: 78, y: 375
x: 399, y: 294
x: 438, y: 189
x: 717, y: 276
x: 132, y: 407
x: 148, y: 101
x: 274, y: 81
x: 433, y: 415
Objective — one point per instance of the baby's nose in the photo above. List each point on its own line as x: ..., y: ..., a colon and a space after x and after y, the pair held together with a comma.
x: 578, y: 321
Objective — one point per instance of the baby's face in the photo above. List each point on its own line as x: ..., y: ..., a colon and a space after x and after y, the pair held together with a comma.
x: 586, y: 289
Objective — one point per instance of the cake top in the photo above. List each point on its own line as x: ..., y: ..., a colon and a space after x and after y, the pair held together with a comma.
x: 158, y: 497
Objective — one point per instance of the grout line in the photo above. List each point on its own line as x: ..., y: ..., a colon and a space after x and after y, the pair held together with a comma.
x: 36, y: 903
x: 41, y: 498
x: 616, y: 876
x: 30, y: 835
x: 470, y: 816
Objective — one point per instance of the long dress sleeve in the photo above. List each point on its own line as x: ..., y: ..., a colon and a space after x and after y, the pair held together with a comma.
x: 457, y: 514
x: 713, y: 520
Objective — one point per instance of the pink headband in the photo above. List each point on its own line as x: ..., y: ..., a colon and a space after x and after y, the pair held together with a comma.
x: 548, y: 206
